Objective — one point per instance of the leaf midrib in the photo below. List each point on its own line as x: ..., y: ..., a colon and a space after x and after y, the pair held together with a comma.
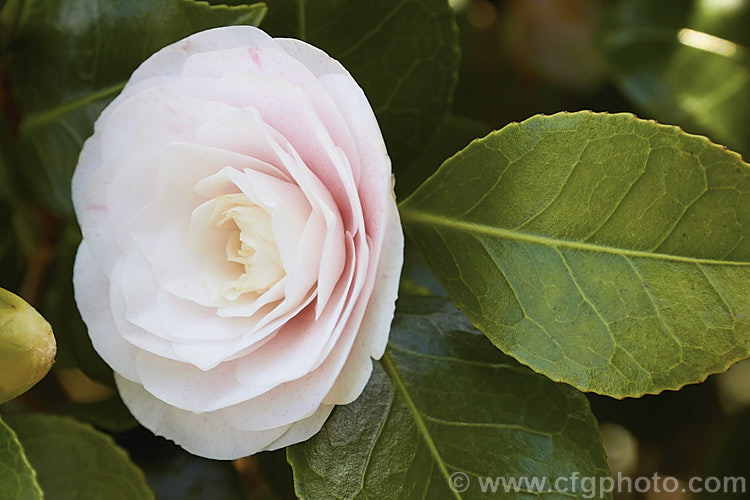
x: 536, y: 239
x: 38, y: 118
x: 390, y: 368
x: 301, y: 20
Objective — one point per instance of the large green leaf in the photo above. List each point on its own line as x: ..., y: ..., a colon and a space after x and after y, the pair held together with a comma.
x: 70, y: 59
x: 443, y: 401
x: 74, y: 461
x: 17, y: 478
x: 404, y: 54
x: 684, y: 62
x: 601, y: 250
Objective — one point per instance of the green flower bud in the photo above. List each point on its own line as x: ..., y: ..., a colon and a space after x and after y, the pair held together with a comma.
x: 27, y: 346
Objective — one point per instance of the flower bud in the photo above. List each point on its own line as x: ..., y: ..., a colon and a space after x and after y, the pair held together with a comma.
x: 27, y: 346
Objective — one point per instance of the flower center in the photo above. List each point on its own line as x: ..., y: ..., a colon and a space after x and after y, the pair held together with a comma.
x: 251, y: 245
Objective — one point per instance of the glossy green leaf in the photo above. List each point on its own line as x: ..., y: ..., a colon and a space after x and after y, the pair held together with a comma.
x: 684, y: 62
x: 601, y: 250
x: 443, y: 401
x: 74, y: 461
x: 404, y: 54
x: 71, y: 59
x: 17, y: 478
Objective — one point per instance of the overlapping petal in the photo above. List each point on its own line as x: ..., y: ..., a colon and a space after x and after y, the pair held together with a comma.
x: 242, y: 247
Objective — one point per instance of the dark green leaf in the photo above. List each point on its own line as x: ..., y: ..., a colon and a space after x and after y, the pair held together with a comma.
x: 601, y: 250
x: 454, y: 133
x: 71, y: 59
x: 404, y: 54
x: 74, y: 461
x: 111, y: 414
x: 6, y: 191
x: 196, y: 478
x: 17, y: 478
x: 11, y: 255
x: 442, y: 401
x: 684, y: 62
x: 11, y: 272
x: 8, y: 17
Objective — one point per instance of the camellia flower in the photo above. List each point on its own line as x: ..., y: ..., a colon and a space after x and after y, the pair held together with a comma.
x: 241, y: 244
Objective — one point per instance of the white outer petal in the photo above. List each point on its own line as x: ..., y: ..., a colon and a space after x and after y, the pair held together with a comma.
x: 170, y: 60
x: 303, y: 429
x: 205, y: 434
x: 317, y: 61
x: 92, y: 297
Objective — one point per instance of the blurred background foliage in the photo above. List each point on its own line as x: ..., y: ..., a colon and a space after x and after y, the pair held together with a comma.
x: 682, y: 62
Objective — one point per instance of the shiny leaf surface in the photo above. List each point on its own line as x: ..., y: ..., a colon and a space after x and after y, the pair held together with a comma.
x: 443, y: 405
x: 601, y: 250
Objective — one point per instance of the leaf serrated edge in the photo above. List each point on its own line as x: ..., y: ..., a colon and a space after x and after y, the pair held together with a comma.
x: 676, y: 128
x: 583, y: 112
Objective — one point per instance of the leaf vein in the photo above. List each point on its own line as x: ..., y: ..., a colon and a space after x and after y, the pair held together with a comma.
x: 416, y: 216
x: 398, y: 383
